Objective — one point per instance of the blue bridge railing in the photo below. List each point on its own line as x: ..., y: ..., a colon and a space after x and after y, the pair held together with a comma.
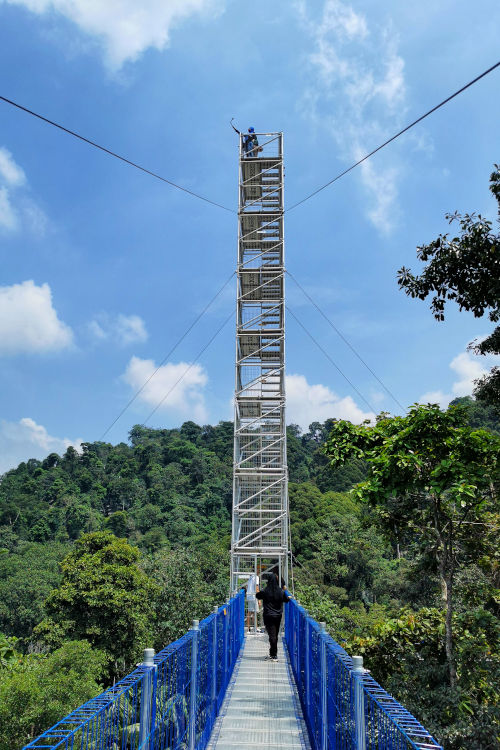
x: 343, y: 706
x: 170, y: 701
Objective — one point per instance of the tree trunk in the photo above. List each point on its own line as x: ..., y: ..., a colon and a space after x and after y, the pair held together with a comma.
x: 446, y: 563
x: 446, y: 578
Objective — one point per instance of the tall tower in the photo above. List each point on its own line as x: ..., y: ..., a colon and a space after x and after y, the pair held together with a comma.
x: 260, y: 480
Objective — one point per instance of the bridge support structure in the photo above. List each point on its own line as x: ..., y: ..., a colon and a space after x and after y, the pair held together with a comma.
x: 260, y: 478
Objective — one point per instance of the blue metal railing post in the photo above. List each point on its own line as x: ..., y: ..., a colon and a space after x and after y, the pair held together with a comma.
x: 146, y: 720
x: 296, y: 628
x: 307, y: 670
x: 359, y: 702
x: 226, y: 639
x: 214, y: 657
x: 194, y: 686
x: 153, y: 708
x: 324, y: 678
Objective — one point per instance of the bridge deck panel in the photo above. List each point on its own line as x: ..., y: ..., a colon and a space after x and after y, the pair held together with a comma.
x: 262, y: 709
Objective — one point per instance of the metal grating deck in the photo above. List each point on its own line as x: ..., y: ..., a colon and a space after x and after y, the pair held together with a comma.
x: 262, y: 710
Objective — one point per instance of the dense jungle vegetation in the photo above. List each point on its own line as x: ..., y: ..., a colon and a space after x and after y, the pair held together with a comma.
x: 119, y: 547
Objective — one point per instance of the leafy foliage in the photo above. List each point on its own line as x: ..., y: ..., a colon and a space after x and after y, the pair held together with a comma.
x: 38, y: 690
x: 465, y: 269
x: 27, y: 576
x: 429, y: 473
x: 167, y: 497
x: 103, y: 597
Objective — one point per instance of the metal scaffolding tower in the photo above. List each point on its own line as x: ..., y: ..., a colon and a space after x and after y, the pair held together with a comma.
x: 260, y: 480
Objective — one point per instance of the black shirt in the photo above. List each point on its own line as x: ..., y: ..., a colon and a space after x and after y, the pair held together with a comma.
x: 273, y: 607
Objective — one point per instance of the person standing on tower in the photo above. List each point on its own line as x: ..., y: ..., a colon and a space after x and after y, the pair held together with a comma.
x: 250, y: 142
x: 273, y: 598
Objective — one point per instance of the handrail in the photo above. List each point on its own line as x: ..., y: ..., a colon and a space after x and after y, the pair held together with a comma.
x: 170, y: 701
x: 344, y: 707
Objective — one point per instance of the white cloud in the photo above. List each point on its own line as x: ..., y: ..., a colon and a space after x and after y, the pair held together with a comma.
x: 10, y: 172
x: 124, y: 329
x: 383, y: 186
x: 8, y: 216
x: 358, y: 93
x: 468, y: 367
x: 16, y: 207
x: 184, y: 384
x: 125, y: 28
x: 29, y: 322
x: 20, y: 441
x: 308, y: 403
x: 436, y: 397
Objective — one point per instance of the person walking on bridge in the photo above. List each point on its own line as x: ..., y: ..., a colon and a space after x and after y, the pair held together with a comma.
x: 273, y: 598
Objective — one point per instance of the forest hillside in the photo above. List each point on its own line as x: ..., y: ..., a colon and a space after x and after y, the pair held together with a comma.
x: 149, y: 520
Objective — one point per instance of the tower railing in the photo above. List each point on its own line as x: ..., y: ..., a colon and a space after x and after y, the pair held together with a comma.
x: 169, y: 702
x: 343, y: 706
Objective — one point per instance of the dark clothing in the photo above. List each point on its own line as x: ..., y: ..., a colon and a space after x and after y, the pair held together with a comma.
x: 272, y: 624
x: 273, y: 606
x: 250, y: 144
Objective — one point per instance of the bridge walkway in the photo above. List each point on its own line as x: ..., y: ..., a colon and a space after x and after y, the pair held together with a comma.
x: 261, y: 710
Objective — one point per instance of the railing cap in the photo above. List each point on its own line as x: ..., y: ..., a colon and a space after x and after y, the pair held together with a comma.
x: 357, y: 664
x: 149, y: 657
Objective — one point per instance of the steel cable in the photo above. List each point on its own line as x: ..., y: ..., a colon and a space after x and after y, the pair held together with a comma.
x: 172, y: 350
x: 339, y: 333
x: 114, y: 154
x: 331, y: 360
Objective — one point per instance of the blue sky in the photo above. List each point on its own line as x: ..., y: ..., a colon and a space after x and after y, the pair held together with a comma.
x: 103, y: 268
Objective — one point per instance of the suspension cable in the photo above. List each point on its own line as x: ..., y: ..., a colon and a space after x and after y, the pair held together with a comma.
x: 165, y: 358
x: 345, y: 340
x: 393, y: 138
x: 331, y: 360
x: 115, y: 155
x: 203, y: 350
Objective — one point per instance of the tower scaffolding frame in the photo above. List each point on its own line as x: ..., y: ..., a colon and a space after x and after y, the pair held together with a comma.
x: 259, y: 540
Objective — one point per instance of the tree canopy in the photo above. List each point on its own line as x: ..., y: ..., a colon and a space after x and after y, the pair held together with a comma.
x: 431, y: 473
x: 465, y: 269
x: 104, y: 598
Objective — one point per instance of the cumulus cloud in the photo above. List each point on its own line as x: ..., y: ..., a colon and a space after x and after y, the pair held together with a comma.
x: 176, y: 387
x: 308, y: 403
x: 10, y: 172
x: 28, y: 321
x: 124, y: 329
x: 125, y: 28
x: 20, y: 441
x: 468, y: 368
x: 16, y: 207
x: 358, y: 92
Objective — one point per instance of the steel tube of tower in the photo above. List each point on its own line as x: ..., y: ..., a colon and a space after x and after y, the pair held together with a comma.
x: 260, y: 475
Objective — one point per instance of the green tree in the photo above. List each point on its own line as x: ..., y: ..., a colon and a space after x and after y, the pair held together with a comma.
x: 480, y: 415
x: 27, y: 576
x: 38, y: 690
x: 189, y: 583
x: 432, y: 474
x: 465, y: 269
x: 406, y: 653
x: 104, y: 597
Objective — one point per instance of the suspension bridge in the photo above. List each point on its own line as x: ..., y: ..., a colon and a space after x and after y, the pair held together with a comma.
x: 213, y: 688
